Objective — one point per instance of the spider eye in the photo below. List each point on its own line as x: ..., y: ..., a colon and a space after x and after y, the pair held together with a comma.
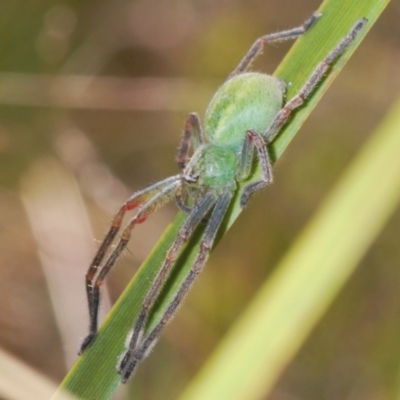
x: 191, y: 178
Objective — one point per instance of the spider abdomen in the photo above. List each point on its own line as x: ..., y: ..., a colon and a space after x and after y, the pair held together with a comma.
x: 246, y: 101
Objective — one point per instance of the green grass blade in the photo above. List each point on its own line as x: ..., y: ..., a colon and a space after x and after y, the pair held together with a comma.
x: 94, y: 374
x: 249, y: 360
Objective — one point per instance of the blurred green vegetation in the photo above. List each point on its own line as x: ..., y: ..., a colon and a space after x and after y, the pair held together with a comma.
x: 355, y: 345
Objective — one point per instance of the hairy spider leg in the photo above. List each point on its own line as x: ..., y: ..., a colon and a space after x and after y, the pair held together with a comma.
x: 254, y: 140
x: 192, y: 134
x: 316, y: 77
x: 150, y: 199
x: 256, y: 48
x: 198, y: 213
x: 136, y: 353
x: 181, y: 198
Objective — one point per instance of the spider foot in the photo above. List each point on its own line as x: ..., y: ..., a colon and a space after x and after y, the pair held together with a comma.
x: 89, y: 339
x: 123, y: 361
x: 244, y: 199
x: 127, y: 366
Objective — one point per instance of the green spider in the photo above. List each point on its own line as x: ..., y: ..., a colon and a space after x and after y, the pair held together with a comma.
x: 244, y: 115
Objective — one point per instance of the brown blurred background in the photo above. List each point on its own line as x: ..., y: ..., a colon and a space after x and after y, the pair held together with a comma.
x: 93, y: 97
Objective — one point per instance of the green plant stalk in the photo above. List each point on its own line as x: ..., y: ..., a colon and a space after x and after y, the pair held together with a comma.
x: 94, y: 375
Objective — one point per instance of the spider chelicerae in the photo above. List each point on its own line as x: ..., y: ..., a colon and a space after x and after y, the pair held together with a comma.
x: 245, y: 114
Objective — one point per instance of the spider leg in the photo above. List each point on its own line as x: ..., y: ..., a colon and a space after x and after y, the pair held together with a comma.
x: 135, y: 354
x: 150, y: 200
x: 256, y: 48
x: 253, y: 140
x: 192, y: 133
x: 187, y: 229
x: 180, y: 198
x: 313, y: 81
